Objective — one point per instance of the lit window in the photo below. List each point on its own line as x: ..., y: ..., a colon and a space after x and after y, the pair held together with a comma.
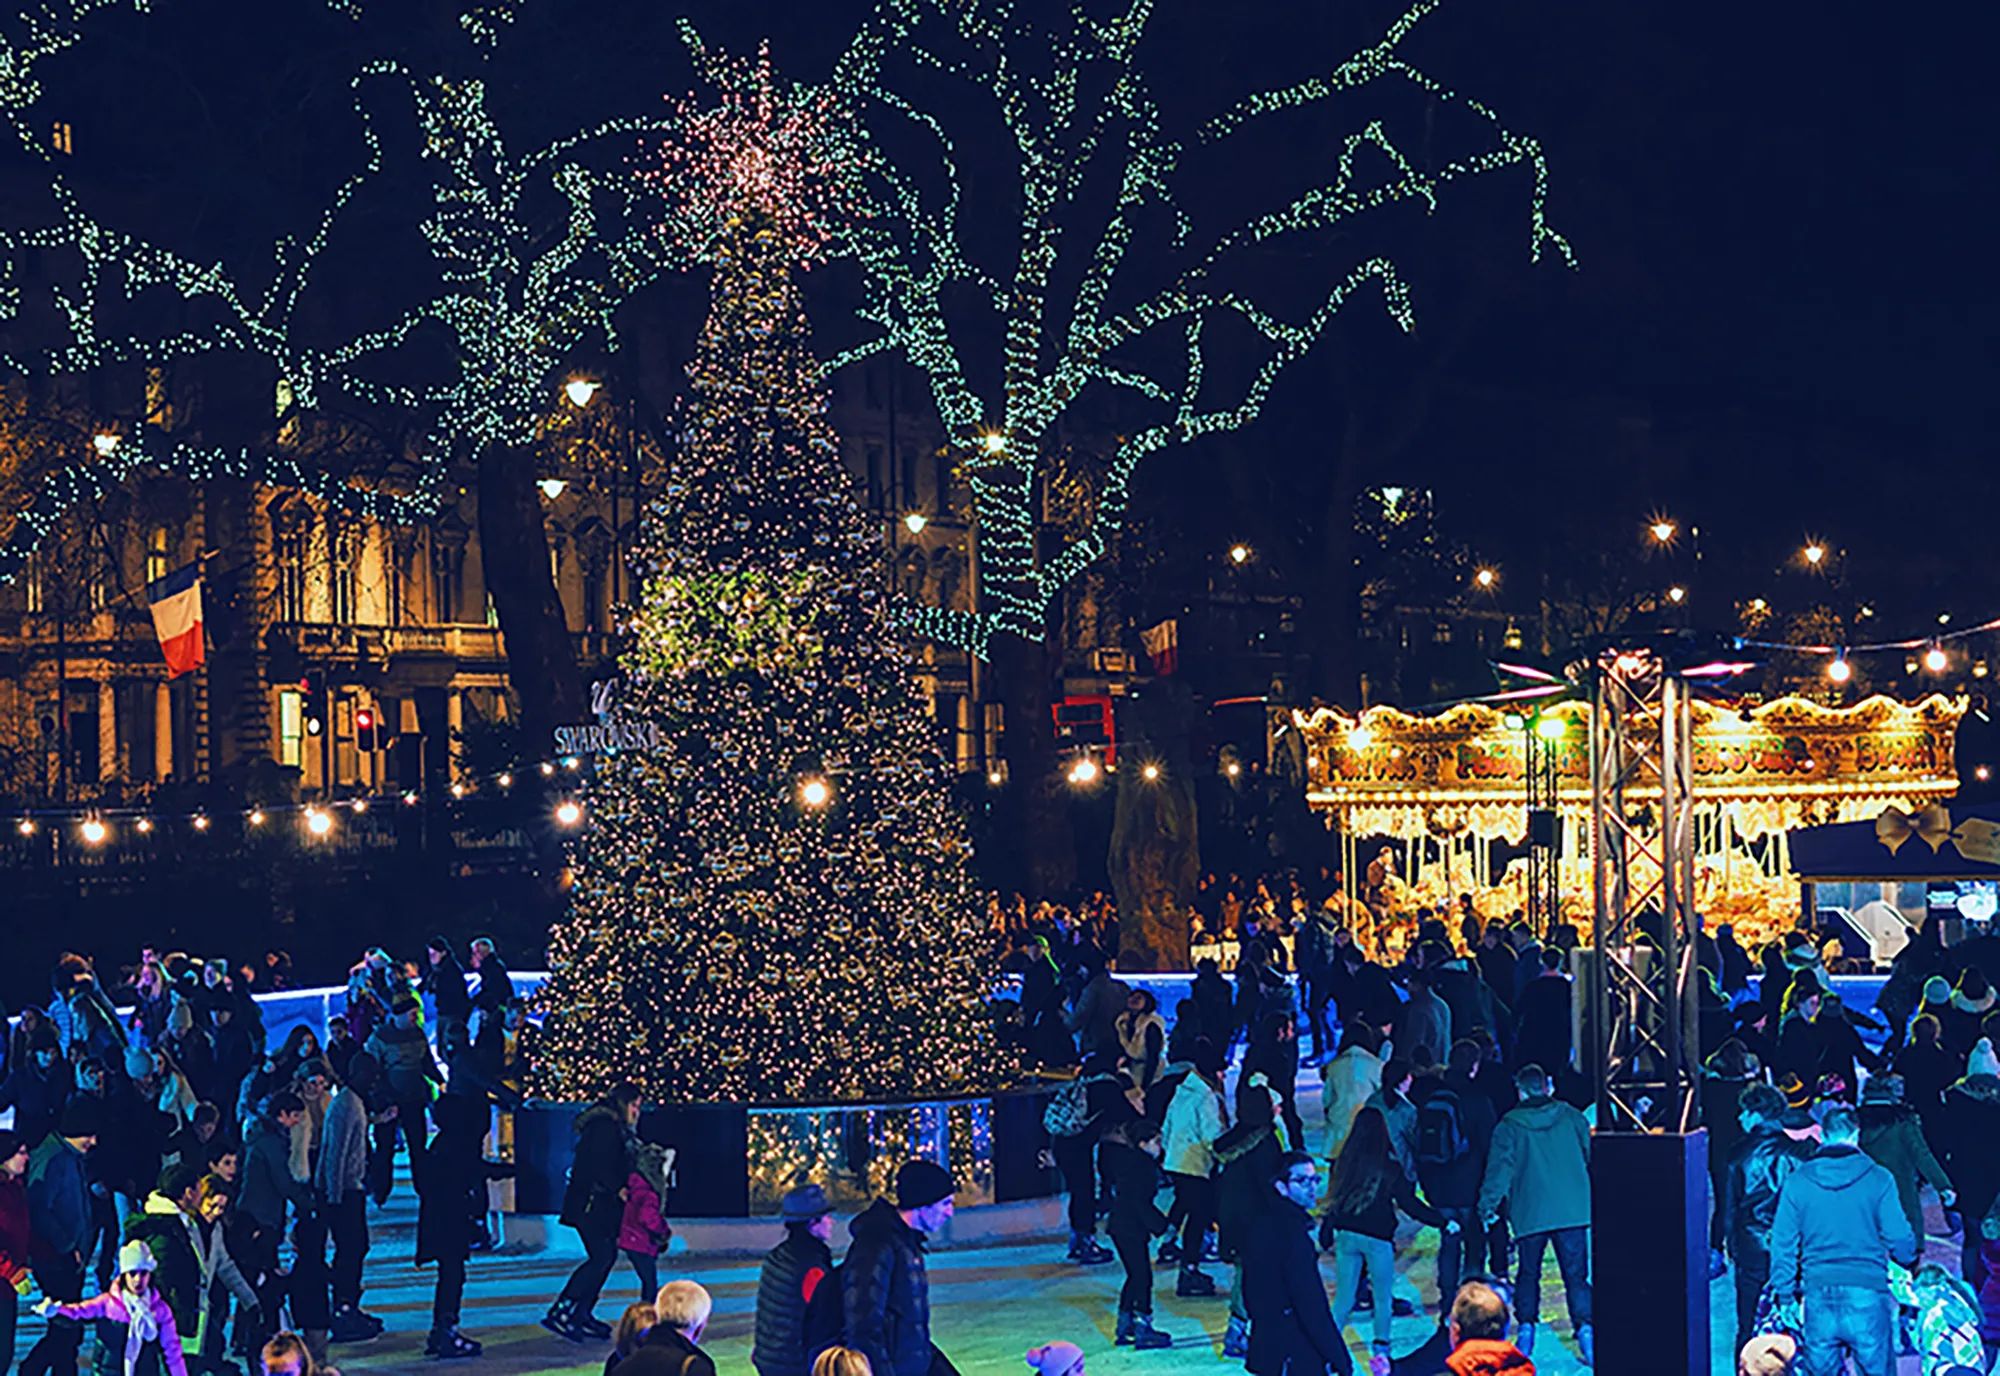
x: 61, y: 140
x: 156, y: 555
x: 291, y: 727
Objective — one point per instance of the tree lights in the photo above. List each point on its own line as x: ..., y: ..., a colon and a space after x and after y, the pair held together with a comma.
x: 1078, y: 111
x: 772, y: 905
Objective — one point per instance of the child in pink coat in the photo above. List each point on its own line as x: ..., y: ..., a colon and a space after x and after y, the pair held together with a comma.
x: 133, y: 1317
x: 643, y: 1232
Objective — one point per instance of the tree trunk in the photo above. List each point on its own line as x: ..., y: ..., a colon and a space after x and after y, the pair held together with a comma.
x: 541, y: 654
x: 1035, y: 802
x: 1331, y: 601
x: 1155, y: 855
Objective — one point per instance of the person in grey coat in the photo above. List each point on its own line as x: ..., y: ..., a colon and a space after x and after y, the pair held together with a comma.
x: 341, y: 1182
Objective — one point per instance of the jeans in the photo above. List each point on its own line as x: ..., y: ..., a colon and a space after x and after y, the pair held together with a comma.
x: 586, y: 1283
x: 1137, y: 1295
x: 1319, y: 992
x: 350, y: 1247
x: 1194, y: 1198
x: 56, y: 1352
x: 646, y: 1266
x: 1453, y: 1251
x: 1352, y: 1252
x: 1572, y: 1256
x: 1076, y: 1159
x: 1844, y: 1321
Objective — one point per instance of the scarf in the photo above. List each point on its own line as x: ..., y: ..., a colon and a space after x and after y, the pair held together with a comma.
x: 142, y: 1326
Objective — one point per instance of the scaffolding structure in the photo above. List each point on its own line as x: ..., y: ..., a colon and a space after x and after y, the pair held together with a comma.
x: 1544, y: 832
x: 1645, y: 1052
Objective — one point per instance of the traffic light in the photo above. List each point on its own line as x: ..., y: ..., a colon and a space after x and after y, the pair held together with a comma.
x: 313, y: 688
x: 364, y: 730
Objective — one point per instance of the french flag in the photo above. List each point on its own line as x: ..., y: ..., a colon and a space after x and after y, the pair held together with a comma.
x: 176, y: 604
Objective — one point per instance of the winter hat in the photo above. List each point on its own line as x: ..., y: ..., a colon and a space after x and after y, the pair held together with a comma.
x: 84, y: 1118
x: 44, y: 1038
x: 136, y: 1256
x: 921, y: 1183
x: 1937, y: 989
x: 138, y: 1062
x: 402, y: 1003
x: 1054, y: 1359
x: 180, y: 1019
x: 1974, y: 994
x: 1798, y: 1094
x: 804, y: 1204
x: 1982, y: 1061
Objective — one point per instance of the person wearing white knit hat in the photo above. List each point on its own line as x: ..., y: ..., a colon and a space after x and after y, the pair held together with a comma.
x: 1970, y: 1125
x: 133, y: 1317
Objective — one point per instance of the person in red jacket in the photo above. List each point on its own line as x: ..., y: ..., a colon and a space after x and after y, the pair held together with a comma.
x: 14, y: 1274
x: 1479, y: 1345
x: 642, y: 1231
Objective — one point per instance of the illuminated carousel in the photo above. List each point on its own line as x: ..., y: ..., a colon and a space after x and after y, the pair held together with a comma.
x: 1429, y: 808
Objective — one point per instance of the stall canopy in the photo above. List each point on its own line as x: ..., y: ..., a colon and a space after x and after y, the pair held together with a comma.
x: 1940, y: 841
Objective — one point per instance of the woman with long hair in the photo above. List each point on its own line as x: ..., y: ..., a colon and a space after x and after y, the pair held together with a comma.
x: 1367, y: 1187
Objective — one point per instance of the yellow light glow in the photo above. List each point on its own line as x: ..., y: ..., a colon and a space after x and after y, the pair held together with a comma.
x: 994, y: 441
x: 201, y: 824
x: 1840, y: 670
x: 1084, y: 771
x: 1357, y: 739
x: 257, y: 817
x: 1239, y: 554
x: 993, y: 777
x: 506, y: 781
x: 1486, y: 578
x: 94, y: 831
x: 1936, y: 660
x: 1151, y: 771
x: 317, y: 822
x: 1663, y: 531
x: 1550, y: 728
x: 569, y: 812
x: 360, y: 806
x: 26, y: 826
x: 580, y: 390
x: 1677, y: 595
x: 145, y: 825
x: 1758, y: 604
x: 915, y: 522
x: 552, y: 488
x: 105, y: 443
x: 458, y: 790
x: 1814, y: 554
x: 814, y: 792
x: 1232, y: 769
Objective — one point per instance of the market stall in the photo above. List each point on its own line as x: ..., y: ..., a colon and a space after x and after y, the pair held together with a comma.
x: 1432, y: 807
x: 1883, y: 876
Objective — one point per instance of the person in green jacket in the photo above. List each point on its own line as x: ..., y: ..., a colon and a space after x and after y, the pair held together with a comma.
x: 1539, y: 1165
x: 1893, y: 1137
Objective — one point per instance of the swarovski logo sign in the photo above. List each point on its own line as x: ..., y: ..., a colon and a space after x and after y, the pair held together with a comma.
x: 611, y: 732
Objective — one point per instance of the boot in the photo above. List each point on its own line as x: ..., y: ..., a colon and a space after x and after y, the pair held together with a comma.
x: 1524, y: 1340
x: 350, y: 1326
x: 1093, y: 1253
x: 1236, y: 1342
x: 447, y: 1344
x: 1123, y: 1337
x: 561, y: 1321
x: 1170, y: 1252
x: 1586, y: 1343
x: 1194, y: 1284
x: 592, y: 1327
x: 370, y: 1319
x: 1145, y: 1337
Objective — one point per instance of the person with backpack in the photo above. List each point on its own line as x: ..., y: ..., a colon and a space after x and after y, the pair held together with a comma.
x: 1132, y: 1158
x: 1454, y: 1133
x: 1078, y: 1113
x: 885, y: 1287
x: 792, y: 1274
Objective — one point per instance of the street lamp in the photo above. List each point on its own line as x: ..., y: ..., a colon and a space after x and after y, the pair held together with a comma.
x: 915, y: 522
x: 1486, y: 578
x: 580, y: 390
x: 552, y: 488
x: 1815, y: 553
x: 1663, y: 531
x: 1239, y: 554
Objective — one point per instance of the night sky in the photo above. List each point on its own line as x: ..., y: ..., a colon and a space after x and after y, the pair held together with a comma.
x: 1782, y: 322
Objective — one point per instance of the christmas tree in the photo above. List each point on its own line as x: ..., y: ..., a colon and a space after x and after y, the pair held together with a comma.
x: 772, y: 905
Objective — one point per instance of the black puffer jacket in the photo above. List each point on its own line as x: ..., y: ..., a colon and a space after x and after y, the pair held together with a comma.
x: 887, y: 1293
x: 591, y: 1202
x: 1249, y: 1152
x: 1971, y: 1123
x: 1758, y: 1170
x: 791, y: 1271
x: 1291, y: 1326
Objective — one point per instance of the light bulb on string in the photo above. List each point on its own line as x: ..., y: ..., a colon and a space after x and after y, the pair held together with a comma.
x: 568, y: 812
x: 1840, y: 670
x: 1935, y: 658
x: 94, y: 831
x: 26, y: 826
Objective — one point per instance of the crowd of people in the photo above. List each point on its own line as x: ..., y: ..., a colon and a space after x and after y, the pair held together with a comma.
x: 161, y: 1157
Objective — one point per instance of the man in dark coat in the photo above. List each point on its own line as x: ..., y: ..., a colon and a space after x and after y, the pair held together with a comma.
x: 59, y: 1227
x: 887, y: 1293
x: 792, y: 1271
x: 1291, y: 1325
x: 445, y: 983
x: 594, y: 1205
x: 673, y: 1344
x: 1542, y: 1028
x: 452, y: 1166
x: 38, y: 1087
x: 1755, y: 1173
